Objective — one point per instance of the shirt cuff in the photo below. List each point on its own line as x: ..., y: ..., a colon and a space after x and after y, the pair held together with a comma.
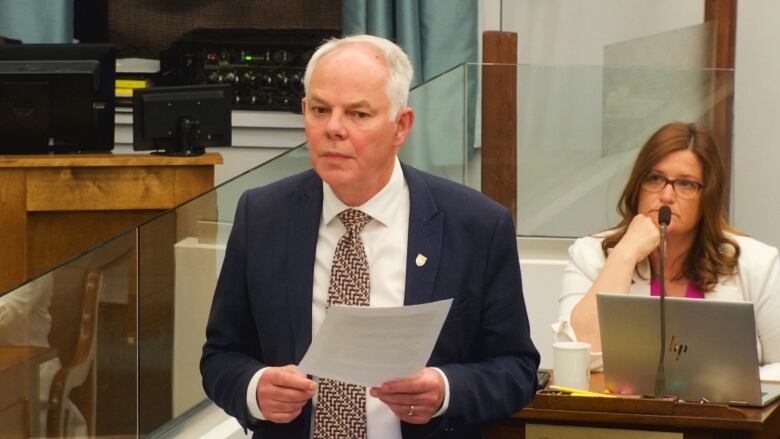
x: 446, y: 403
x: 251, y: 396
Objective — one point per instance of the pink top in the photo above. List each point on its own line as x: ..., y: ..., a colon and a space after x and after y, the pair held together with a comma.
x: 691, y: 292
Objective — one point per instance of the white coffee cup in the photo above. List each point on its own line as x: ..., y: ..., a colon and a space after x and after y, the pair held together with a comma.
x: 571, y: 364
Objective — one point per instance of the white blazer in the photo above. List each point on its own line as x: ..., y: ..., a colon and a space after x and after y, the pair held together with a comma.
x: 757, y: 281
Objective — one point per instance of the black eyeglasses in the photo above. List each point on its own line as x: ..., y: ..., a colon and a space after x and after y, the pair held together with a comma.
x: 682, y: 186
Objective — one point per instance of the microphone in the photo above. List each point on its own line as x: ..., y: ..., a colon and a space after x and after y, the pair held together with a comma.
x: 664, y: 218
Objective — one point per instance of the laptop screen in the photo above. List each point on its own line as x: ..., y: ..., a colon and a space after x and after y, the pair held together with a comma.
x: 710, y: 348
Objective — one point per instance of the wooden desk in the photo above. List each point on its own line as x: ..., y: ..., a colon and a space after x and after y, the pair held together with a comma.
x: 19, y: 404
x: 694, y: 421
x: 53, y: 207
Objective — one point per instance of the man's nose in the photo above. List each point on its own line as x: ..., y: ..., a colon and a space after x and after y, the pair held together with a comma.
x: 335, y: 127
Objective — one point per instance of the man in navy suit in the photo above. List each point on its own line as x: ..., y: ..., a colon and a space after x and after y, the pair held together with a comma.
x: 427, y: 239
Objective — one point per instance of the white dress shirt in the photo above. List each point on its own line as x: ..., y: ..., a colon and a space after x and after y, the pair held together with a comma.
x: 385, y: 239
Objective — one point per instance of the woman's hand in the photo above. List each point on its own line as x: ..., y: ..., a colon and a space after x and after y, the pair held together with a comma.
x: 641, y: 239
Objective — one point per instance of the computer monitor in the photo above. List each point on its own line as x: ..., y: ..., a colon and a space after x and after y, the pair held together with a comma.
x: 182, y: 120
x: 56, y: 98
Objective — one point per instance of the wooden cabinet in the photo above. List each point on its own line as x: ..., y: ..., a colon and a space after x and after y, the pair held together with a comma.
x: 581, y: 417
x: 53, y: 207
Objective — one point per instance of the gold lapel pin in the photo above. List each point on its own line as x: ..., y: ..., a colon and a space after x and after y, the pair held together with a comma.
x: 420, y: 260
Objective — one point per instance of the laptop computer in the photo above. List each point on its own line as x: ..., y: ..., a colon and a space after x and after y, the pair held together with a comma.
x: 711, y: 349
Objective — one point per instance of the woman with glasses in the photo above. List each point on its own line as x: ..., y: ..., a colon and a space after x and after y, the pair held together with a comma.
x: 680, y: 167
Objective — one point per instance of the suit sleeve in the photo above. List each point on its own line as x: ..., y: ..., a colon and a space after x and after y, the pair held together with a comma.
x: 503, y: 379
x: 232, y: 346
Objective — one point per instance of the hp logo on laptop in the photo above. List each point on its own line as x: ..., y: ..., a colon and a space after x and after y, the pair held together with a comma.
x: 677, y: 348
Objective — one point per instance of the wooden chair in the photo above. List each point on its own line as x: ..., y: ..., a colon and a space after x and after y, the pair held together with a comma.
x: 74, y: 312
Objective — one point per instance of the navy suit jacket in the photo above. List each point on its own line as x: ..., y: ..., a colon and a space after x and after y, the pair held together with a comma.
x: 261, y: 312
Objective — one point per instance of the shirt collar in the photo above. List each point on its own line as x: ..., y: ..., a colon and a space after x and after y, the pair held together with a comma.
x: 379, y: 207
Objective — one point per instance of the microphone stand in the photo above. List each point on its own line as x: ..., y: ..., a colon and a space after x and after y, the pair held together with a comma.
x: 660, y: 375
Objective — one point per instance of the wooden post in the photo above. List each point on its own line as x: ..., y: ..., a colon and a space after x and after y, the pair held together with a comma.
x: 723, y: 14
x: 499, y: 118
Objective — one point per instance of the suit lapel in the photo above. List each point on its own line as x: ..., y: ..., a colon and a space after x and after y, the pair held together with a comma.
x: 301, y: 250
x: 424, y: 242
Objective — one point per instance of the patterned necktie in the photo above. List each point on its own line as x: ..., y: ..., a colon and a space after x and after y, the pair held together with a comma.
x: 341, y: 407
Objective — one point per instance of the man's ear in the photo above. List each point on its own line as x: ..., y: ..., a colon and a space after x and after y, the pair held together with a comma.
x: 303, y: 105
x: 405, y: 121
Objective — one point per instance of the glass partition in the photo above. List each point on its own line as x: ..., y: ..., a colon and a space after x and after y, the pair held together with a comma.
x: 579, y: 129
x: 150, y: 289
x: 438, y: 141
x: 119, y: 329
x: 68, y: 347
x: 180, y: 255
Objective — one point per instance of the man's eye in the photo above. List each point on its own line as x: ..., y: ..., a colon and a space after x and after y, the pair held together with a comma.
x: 361, y: 115
x: 319, y: 110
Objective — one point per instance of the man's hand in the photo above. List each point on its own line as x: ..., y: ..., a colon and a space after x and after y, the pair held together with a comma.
x: 282, y: 392
x: 415, y: 399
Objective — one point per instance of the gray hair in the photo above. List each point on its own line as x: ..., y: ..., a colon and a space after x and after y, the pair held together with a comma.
x: 399, y: 66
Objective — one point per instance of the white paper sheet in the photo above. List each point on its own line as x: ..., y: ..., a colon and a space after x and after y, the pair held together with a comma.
x: 368, y: 346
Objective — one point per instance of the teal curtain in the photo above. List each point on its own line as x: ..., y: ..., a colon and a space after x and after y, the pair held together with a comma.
x: 436, y: 34
x: 37, y: 21
x: 439, y: 36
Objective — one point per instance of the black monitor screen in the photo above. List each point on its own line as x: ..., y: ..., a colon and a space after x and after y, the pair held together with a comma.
x: 182, y: 120
x: 56, y: 98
